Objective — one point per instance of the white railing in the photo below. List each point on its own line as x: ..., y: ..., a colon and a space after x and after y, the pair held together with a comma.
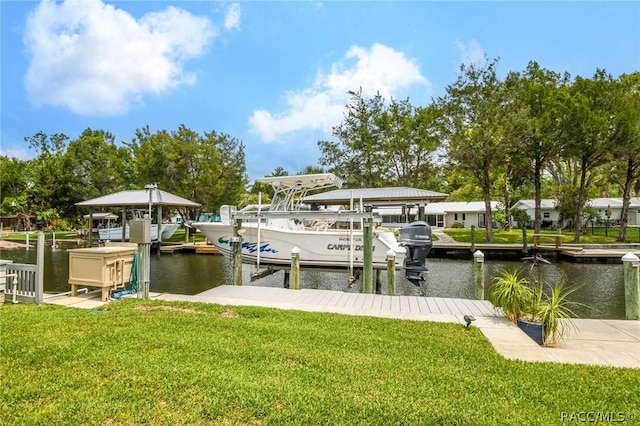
x: 22, y: 283
x: 25, y: 282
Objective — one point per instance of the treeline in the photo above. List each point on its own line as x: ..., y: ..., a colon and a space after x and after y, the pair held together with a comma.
x: 208, y: 168
x: 533, y: 134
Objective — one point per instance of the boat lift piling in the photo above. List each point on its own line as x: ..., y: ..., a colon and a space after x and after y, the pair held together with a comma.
x: 295, y: 268
x: 391, y: 272
x: 478, y: 273
x: 367, y: 248
x: 631, y: 286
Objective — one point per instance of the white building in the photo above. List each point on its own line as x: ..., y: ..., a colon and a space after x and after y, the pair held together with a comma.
x: 550, y: 215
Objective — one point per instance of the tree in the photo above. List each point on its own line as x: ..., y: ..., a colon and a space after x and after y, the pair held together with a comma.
x: 209, y: 169
x: 625, y: 169
x: 409, y: 139
x: 93, y: 166
x: 590, y: 133
x: 14, y: 177
x: 536, y: 109
x: 46, y: 184
x: 473, y: 126
x: 358, y: 157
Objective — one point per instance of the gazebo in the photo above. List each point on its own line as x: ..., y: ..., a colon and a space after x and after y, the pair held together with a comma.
x: 150, y: 197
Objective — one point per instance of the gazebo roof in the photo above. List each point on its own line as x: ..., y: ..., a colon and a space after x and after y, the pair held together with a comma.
x: 138, y: 198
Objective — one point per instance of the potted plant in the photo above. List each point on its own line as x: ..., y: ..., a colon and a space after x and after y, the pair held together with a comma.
x: 555, y: 313
x: 531, y: 320
x: 510, y: 292
x: 542, y: 315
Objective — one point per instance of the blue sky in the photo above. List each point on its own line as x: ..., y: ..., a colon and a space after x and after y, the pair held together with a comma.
x: 274, y: 75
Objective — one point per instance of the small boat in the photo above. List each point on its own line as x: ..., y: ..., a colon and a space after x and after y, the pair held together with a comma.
x: 330, y: 239
x: 114, y: 233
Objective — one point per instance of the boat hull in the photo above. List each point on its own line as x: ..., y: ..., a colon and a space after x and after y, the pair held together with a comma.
x: 329, y: 248
x: 115, y: 234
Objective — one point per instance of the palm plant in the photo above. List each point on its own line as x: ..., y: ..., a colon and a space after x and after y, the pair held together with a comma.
x: 555, y: 312
x: 511, y: 292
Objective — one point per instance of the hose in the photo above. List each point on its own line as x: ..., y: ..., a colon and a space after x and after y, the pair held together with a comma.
x: 133, y: 280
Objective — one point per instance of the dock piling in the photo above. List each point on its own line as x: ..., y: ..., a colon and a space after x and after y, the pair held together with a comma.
x: 631, y: 264
x: 478, y: 273
x: 367, y: 243
x: 236, y: 246
x: 295, y: 268
x: 391, y: 272
x: 473, y: 238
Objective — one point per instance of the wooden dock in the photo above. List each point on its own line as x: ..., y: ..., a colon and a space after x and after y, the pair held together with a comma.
x: 197, y: 248
x: 406, y: 307
x: 583, y: 253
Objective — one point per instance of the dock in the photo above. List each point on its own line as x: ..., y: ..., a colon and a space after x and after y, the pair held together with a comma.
x: 612, y: 343
x: 584, y: 253
x: 197, y: 248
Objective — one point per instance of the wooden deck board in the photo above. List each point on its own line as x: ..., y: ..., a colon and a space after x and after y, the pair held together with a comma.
x: 423, y: 305
x: 433, y: 306
x: 413, y: 304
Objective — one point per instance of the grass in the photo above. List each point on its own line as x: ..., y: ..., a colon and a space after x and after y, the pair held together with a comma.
x: 180, y: 363
x: 592, y: 236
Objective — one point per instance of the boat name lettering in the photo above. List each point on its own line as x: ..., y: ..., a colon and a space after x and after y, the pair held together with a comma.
x: 347, y: 239
x: 346, y: 247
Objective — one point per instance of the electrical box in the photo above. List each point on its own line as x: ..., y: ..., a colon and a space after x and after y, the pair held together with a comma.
x: 140, y: 231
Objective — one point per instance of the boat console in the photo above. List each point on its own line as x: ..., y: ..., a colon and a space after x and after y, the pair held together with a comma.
x: 416, y: 237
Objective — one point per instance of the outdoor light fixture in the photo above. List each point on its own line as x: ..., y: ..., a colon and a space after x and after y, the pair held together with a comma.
x: 469, y: 319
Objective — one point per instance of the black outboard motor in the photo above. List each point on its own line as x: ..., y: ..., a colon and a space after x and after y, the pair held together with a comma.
x: 416, y: 237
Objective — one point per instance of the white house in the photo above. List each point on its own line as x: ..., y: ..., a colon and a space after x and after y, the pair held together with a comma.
x: 445, y: 214
x: 601, y: 205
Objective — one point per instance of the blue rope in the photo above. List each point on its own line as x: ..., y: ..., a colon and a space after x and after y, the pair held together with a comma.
x: 133, y: 279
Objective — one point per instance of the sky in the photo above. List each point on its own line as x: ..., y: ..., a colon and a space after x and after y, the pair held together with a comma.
x: 274, y: 74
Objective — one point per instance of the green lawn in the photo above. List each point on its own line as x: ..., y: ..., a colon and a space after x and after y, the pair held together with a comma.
x: 592, y: 236
x: 179, y: 363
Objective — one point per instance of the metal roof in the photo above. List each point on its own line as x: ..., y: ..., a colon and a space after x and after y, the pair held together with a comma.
x: 395, y: 195
x: 138, y: 197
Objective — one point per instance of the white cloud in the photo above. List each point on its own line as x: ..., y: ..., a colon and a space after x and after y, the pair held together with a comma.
x: 379, y: 69
x: 95, y: 59
x: 232, y: 20
x: 471, y: 53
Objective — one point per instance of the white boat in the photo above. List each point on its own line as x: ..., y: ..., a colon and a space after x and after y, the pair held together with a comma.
x: 115, y: 233
x: 269, y: 237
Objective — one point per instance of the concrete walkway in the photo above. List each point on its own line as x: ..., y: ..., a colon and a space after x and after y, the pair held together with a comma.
x: 614, y: 343
x: 442, y: 236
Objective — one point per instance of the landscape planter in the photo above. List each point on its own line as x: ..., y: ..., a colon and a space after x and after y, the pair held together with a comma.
x: 534, y: 330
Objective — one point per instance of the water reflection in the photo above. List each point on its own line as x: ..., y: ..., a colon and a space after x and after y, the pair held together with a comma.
x: 602, y: 291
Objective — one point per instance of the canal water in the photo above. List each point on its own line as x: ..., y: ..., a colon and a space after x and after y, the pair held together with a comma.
x: 601, y: 291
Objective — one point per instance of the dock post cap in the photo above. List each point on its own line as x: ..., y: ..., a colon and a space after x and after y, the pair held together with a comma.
x: 478, y: 254
x: 295, y: 250
x: 630, y: 257
x: 391, y: 254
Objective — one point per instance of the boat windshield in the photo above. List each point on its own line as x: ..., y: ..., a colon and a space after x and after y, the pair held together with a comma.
x: 289, y: 191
